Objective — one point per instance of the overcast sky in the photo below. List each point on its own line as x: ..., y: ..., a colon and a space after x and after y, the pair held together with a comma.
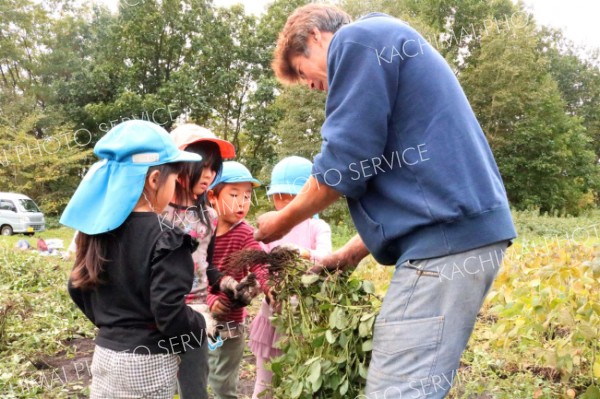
x: 579, y: 19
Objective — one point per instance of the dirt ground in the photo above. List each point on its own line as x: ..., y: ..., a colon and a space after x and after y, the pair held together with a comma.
x: 71, y: 368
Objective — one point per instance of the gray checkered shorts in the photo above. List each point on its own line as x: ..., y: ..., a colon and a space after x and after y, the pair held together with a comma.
x: 126, y: 375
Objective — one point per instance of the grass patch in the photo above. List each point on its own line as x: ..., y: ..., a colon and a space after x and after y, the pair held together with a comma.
x: 537, y: 336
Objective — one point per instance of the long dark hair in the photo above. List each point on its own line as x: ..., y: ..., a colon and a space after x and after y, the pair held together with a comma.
x: 92, y: 250
x: 191, y: 174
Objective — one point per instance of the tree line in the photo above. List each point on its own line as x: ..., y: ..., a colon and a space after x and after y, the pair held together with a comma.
x: 69, y: 72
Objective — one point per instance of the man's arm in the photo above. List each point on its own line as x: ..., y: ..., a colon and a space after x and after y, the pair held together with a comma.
x: 313, y: 198
x: 347, y: 257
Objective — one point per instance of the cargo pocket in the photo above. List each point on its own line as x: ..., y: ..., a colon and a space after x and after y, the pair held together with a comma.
x: 407, y: 349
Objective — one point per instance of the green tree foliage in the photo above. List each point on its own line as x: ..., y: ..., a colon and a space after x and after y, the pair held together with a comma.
x: 263, y: 115
x: 229, y: 65
x: 68, y: 66
x: 20, y: 35
x: 578, y: 80
x: 47, y: 169
x: 402, y: 9
x: 460, y: 24
x: 543, y: 153
x: 299, y: 130
x: 41, y: 154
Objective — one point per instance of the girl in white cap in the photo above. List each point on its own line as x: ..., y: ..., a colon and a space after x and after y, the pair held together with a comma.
x: 131, y: 275
x: 190, y: 211
x: 312, y: 238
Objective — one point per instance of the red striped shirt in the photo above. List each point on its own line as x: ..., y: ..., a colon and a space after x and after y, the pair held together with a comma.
x: 239, y: 237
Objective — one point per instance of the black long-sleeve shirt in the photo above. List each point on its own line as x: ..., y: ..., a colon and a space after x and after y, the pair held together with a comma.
x: 140, y: 304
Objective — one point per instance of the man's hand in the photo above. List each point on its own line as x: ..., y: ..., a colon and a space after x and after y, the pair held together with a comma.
x: 270, y: 227
x: 345, y: 258
x: 336, y: 261
x: 313, y: 198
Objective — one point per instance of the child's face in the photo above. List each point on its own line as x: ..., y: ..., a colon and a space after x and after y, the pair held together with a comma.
x: 280, y: 201
x: 233, y: 202
x: 206, y: 179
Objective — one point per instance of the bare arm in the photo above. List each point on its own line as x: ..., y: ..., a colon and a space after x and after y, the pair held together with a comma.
x: 347, y: 257
x: 313, y: 198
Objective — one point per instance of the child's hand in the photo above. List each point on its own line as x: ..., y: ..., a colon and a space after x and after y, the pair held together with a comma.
x: 227, y: 286
x: 211, y: 323
x: 246, y: 290
x: 220, y: 308
x: 275, y: 306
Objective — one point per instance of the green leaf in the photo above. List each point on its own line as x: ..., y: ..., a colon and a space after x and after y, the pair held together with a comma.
x: 344, y: 387
x: 317, y: 384
x: 353, y: 285
x: 296, y: 389
x: 333, y: 318
x: 315, y: 372
x: 367, y: 316
x: 329, y: 336
x: 309, y: 279
x: 343, y: 340
x: 363, y: 329
x: 319, y: 341
x: 591, y: 393
x: 367, y: 346
x: 368, y: 287
x: 311, y: 361
x: 341, y: 321
x: 587, y: 331
x: 277, y: 368
x: 362, y: 370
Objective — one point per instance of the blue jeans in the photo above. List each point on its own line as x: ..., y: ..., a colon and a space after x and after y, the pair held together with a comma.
x: 425, y: 322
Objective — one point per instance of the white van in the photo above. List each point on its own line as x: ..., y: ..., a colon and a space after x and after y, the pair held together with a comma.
x: 19, y: 214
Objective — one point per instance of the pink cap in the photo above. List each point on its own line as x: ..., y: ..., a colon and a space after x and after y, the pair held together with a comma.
x: 189, y: 133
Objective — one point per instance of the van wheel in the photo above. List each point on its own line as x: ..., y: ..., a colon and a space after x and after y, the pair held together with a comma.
x: 6, y: 230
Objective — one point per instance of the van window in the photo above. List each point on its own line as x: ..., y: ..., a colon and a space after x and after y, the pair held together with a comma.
x: 7, y: 205
x: 28, y: 205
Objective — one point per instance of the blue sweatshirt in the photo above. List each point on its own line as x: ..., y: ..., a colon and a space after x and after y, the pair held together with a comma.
x: 402, y: 143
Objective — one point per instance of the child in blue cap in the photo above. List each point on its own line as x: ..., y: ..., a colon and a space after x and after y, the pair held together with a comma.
x: 231, y: 196
x: 311, y: 238
x: 131, y: 275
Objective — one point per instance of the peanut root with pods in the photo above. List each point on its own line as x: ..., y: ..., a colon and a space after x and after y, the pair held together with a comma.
x: 326, y: 326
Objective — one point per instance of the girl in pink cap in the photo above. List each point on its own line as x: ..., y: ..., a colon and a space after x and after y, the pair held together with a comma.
x: 190, y: 212
x: 312, y: 238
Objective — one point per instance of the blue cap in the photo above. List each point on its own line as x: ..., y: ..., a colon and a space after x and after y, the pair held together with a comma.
x: 235, y: 172
x: 112, y: 187
x: 290, y: 175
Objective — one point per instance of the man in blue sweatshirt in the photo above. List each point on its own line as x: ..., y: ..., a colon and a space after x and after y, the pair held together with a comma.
x: 402, y: 144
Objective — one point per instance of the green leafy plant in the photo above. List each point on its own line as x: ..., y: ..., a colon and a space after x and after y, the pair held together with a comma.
x: 326, y: 326
x: 326, y: 323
